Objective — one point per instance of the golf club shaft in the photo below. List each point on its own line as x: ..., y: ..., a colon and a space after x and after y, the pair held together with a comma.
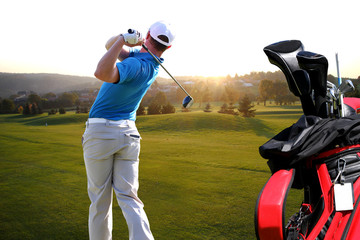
x: 338, y: 68
x: 164, y: 68
x: 339, y: 82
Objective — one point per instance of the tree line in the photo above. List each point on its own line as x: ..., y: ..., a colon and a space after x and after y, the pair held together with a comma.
x: 232, y: 91
x: 36, y: 104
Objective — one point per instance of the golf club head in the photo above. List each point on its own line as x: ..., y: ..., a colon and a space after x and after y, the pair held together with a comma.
x: 187, y: 102
x: 330, y: 85
x: 331, y: 90
x: 346, y: 86
x: 316, y: 65
x: 332, y: 93
x: 283, y: 55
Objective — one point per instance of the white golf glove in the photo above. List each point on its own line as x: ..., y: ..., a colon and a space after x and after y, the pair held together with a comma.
x: 132, y: 36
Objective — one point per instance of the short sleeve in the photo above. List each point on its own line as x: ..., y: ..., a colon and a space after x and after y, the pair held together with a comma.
x: 128, y: 69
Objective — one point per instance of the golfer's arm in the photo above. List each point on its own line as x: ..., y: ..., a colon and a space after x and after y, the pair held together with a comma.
x: 106, y: 69
x: 124, y: 52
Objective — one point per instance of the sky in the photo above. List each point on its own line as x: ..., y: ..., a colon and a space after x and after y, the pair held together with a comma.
x: 213, y: 38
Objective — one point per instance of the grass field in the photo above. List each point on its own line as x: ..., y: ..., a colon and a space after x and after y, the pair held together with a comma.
x: 200, y: 174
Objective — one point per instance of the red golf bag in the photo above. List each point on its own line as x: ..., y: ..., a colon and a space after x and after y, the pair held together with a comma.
x: 320, y: 154
x: 295, y: 161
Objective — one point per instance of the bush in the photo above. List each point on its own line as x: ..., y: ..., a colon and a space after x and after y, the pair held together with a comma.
x: 228, y: 109
x: 34, y: 109
x: 245, y: 107
x: 20, y: 109
x: 27, y: 109
x: 52, y: 112
x: 62, y: 110
x: 208, y: 108
x: 83, y: 109
x: 141, y: 110
x: 168, y: 108
x: 7, y: 106
x: 154, y: 108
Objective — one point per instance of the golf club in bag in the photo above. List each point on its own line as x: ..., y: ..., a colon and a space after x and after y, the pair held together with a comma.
x: 188, y: 100
x: 320, y: 154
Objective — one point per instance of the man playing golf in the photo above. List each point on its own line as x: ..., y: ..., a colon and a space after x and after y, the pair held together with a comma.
x: 111, y: 141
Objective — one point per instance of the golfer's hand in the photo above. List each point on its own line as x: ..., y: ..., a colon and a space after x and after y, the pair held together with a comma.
x: 133, y: 38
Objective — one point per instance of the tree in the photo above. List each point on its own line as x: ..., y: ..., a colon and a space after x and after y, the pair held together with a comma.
x: 7, y: 106
x: 34, y: 98
x: 223, y: 108
x: 197, y: 91
x: 68, y: 99
x: 265, y: 90
x: 84, y: 109
x: 154, y: 108
x: 20, y: 109
x: 62, y: 110
x: 52, y: 111
x: 228, y: 78
x: 228, y: 109
x: 245, y: 107
x: 281, y: 90
x: 27, y: 109
x: 230, y: 93
x: 34, y: 109
x: 160, y: 105
x: 141, y: 110
x: 168, y: 108
x: 206, y: 97
x: 160, y: 98
x: 50, y: 96
x: 208, y: 108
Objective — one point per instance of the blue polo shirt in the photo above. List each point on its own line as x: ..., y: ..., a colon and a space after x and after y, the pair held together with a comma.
x: 117, y: 101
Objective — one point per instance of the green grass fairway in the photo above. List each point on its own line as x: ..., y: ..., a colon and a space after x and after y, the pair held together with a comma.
x: 200, y: 174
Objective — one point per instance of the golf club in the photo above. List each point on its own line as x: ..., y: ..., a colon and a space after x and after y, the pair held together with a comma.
x: 188, y: 100
x: 332, y: 98
x: 339, y: 83
x: 346, y: 86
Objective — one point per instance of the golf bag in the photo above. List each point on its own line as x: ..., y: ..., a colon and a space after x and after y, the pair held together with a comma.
x: 320, y: 154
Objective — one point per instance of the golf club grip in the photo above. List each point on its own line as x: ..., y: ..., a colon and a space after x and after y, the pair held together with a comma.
x: 157, y: 60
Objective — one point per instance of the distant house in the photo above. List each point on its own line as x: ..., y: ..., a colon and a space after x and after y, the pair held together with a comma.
x: 87, y: 96
x: 245, y: 84
x: 239, y: 83
x: 189, y: 83
x: 23, y: 96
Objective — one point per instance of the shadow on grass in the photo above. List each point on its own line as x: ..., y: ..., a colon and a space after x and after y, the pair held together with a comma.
x: 25, y: 119
x: 279, y: 112
x: 286, y: 107
x: 259, y: 127
x: 40, y: 120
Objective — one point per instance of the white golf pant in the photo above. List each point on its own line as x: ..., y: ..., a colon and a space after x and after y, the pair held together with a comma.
x: 111, y: 154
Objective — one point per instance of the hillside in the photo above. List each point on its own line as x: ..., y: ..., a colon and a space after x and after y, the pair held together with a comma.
x: 41, y: 83
x: 11, y: 83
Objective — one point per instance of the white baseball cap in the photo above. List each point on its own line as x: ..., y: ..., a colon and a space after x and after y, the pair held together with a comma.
x: 161, y: 28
